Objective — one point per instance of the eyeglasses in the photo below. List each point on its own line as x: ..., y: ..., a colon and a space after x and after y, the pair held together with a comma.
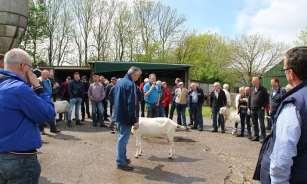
x: 285, y: 69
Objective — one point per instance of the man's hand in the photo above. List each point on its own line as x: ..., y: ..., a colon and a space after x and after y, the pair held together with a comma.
x: 136, y: 126
x: 32, y: 79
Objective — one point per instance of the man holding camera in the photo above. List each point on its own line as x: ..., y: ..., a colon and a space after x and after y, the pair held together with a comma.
x: 23, y: 108
x: 151, y: 96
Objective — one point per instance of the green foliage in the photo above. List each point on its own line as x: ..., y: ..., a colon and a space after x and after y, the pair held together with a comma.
x: 36, y: 29
x: 208, y: 54
x: 302, y: 38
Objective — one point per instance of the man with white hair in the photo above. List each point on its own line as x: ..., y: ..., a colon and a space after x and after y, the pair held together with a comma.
x: 217, y: 100
x: 125, y: 114
x: 46, y: 84
x: 23, y: 107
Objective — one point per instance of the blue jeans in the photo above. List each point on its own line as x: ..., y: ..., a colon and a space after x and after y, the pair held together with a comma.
x: 218, y: 119
x: 97, y: 112
x: 152, y: 110
x: 18, y: 169
x: 161, y: 111
x: 74, y: 102
x: 181, y: 119
x: 196, y: 113
x: 122, y: 141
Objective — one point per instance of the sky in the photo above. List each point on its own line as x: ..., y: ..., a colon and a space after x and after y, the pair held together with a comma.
x: 280, y: 20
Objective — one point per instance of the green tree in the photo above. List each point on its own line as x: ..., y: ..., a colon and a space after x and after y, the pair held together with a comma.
x: 302, y: 38
x: 36, y: 30
x: 209, y: 55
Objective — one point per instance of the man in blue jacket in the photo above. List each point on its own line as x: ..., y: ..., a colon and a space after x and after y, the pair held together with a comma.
x: 23, y: 107
x: 125, y: 114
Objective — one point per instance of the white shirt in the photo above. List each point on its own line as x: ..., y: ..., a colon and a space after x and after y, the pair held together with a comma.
x: 227, y: 97
x: 288, y: 133
x: 237, y: 100
x: 194, y: 95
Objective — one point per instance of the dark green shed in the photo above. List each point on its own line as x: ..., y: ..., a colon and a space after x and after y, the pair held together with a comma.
x: 276, y: 71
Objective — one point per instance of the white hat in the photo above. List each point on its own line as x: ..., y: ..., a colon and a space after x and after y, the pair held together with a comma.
x: 180, y: 83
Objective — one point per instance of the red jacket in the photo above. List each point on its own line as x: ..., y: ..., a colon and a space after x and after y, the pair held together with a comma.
x: 166, y: 97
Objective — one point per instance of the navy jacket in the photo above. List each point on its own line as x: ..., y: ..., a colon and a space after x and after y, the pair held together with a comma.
x: 125, y: 102
x: 217, y: 103
x: 201, y: 97
x: 75, y: 89
x: 21, y: 112
x: 298, y: 97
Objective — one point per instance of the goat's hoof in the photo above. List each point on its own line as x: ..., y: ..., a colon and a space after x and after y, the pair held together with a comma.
x: 170, y: 157
x: 136, y: 156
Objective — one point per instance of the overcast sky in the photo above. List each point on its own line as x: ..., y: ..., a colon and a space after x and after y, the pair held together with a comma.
x: 280, y: 20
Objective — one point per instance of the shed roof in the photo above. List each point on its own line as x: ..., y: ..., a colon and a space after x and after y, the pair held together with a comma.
x: 102, y: 66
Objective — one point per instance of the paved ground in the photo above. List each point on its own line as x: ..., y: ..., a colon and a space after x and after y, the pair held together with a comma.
x: 85, y: 155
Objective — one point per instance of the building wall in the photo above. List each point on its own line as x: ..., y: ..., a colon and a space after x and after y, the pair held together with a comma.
x: 274, y: 72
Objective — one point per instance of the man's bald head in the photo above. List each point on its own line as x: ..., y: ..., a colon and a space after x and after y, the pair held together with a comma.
x: 45, y: 74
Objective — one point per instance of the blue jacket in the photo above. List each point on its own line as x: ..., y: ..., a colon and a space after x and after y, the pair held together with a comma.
x: 21, y: 112
x: 125, y: 102
x: 153, y: 96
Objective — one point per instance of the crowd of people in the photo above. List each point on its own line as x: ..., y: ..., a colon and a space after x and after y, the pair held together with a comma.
x: 26, y: 104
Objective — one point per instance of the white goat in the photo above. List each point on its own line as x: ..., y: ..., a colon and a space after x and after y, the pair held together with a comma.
x: 61, y: 106
x: 155, y: 127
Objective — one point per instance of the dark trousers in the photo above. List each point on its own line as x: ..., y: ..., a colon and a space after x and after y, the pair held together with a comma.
x: 142, y: 108
x: 172, y: 110
x: 196, y: 115
x: 181, y: 118
x: 152, y: 110
x: 105, y: 109
x: 166, y: 110
x: 218, y: 119
x: 85, y: 107
x: 19, y: 169
x: 258, y: 117
x: 243, y: 118
x: 51, y: 125
x: 111, y: 108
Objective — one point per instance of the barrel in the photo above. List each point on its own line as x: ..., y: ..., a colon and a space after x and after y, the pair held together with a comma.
x: 13, y: 23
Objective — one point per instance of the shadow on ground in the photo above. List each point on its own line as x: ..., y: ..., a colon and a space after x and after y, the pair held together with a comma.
x: 62, y: 136
x: 177, y: 159
x: 157, y: 174
x: 44, y: 180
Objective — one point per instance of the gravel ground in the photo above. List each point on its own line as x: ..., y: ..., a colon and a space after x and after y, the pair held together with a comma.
x: 85, y: 155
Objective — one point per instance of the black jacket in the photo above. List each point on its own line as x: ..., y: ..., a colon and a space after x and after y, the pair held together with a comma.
x: 276, y: 99
x: 219, y: 102
x: 200, y: 94
x: 75, y: 89
x: 260, y: 98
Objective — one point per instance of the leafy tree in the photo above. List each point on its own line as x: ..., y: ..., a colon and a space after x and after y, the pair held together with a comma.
x: 302, y: 38
x: 36, y: 31
x: 208, y: 54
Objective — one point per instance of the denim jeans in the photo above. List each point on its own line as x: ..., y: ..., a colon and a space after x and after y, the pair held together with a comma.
x: 152, y: 110
x: 161, y: 111
x: 218, y: 119
x: 122, y: 141
x: 74, y: 102
x: 19, y: 169
x: 196, y: 115
x: 181, y: 119
x: 97, y: 112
